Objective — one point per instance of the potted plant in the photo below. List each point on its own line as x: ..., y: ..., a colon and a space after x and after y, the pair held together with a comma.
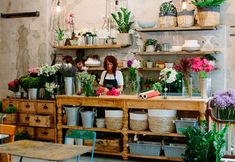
x: 60, y: 36
x: 10, y: 115
x: 203, y: 145
x: 30, y: 84
x: 124, y: 24
x: 167, y: 15
x: 208, y: 11
x: 150, y: 45
x: 14, y: 86
x: 157, y: 87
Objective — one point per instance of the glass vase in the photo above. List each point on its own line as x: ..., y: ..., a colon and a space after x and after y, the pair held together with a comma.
x: 187, y: 86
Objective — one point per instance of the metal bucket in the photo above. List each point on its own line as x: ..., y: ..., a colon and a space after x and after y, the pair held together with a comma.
x: 88, y: 118
x: 72, y: 114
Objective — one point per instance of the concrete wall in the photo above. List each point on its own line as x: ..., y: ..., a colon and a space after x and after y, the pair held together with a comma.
x: 25, y: 42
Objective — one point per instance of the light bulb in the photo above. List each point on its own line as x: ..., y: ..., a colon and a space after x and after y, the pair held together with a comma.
x: 58, y: 8
x: 184, y: 5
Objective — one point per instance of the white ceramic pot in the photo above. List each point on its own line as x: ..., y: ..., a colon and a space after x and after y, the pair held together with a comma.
x: 32, y: 93
x: 17, y: 94
x: 150, y: 48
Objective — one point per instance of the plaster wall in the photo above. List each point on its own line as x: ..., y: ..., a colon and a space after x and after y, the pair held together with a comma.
x: 25, y: 42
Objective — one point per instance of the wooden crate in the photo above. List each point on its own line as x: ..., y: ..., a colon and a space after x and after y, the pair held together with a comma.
x: 107, y: 145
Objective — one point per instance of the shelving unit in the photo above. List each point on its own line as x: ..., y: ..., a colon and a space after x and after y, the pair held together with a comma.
x: 90, y: 47
x: 126, y: 102
x: 193, y: 28
x: 140, y: 69
x: 177, y: 53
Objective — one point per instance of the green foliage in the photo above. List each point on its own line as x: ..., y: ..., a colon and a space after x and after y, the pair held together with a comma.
x: 157, y: 87
x: 209, y: 57
x: 59, y: 33
x: 122, y: 18
x: 149, y: 42
x: 11, y: 109
x: 22, y: 135
x: 203, y: 145
x: 168, y: 9
x: 27, y: 82
x: 207, y: 3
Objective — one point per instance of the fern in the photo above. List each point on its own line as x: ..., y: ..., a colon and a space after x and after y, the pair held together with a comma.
x: 207, y: 3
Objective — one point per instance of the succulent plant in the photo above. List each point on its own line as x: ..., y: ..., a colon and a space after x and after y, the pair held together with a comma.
x: 168, y: 9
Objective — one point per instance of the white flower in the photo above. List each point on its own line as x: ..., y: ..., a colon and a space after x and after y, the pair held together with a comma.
x: 50, y: 87
x: 47, y: 70
x: 168, y: 75
x: 69, y: 65
x: 136, y: 64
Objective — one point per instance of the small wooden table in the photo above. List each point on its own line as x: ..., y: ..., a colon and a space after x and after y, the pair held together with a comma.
x: 43, y: 150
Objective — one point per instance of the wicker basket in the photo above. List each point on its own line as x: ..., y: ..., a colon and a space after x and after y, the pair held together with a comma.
x: 113, y: 123
x: 161, y: 121
x: 113, y: 119
x: 138, y: 120
x: 185, y: 19
x: 167, y: 21
x: 209, y: 16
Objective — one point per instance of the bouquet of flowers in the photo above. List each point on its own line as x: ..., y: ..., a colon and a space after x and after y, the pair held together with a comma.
x: 50, y: 87
x: 47, y: 73
x: 14, y: 85
x: 68, y: 70
x: 168, y: 75
x: 202, y: 66
x: 184, y: 67
x: 87, y: 81
x: 225, y: 102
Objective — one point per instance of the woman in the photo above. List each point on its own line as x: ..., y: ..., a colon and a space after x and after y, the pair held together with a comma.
x: 111, y: 77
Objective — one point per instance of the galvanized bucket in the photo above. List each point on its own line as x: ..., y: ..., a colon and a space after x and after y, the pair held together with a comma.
x: 72, y: 114
x: 88, y: 118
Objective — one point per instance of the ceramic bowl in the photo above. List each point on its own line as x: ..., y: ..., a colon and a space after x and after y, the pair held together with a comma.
x: 176, y: 48
x: 143, y: 24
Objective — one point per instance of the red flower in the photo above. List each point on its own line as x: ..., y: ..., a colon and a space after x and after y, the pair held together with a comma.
x: 14, y: 85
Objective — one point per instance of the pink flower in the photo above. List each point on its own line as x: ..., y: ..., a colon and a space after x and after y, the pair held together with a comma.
x: 33, y: 71
x: 99, y: 91
x: 112, y: 92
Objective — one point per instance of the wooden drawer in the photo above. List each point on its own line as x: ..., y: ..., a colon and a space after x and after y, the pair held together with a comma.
x: 30, y: 130
x: 40, y: 120
x: 24, y: 119
x: 10, y: 119
x: 45, y: 134
x: 45, y: 108
x: 7, y: 102
x: 27, y: 107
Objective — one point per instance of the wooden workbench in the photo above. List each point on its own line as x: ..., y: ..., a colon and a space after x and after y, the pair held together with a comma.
x: 126, y: 102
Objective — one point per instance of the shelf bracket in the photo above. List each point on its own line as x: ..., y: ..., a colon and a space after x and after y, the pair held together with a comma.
x: 20, y: 14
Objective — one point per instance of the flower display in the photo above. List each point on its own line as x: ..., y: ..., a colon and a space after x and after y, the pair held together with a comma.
x: 50, y: 87
x: 133, y: 65
x: 168, y: 75
x: 68, y: 70
x: 202, y: 66
x: 48, y: 70
x: 87, y: 81
x: 14, y: 85
x: 225, y: 102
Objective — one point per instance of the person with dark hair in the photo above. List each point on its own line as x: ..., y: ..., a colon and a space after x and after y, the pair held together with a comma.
x: 111, y: 77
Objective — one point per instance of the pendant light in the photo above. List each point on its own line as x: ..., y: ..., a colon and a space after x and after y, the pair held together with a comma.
x: 58, y: 7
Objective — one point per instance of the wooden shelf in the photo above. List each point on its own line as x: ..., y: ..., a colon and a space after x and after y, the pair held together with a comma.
x: 156, y: 157
x: 140, y: 69
x: 178, y: 53
x: 193, y: 28
x: 109, y: 153
x: 90, y: 47
x: 93, y: 129
x: 157, y: 134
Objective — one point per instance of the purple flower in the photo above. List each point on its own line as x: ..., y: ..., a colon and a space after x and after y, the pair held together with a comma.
x: 225, y: 99
x: 129, y: 63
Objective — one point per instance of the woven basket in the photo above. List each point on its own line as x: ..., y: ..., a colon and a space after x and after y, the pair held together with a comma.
x: 113, y: 123
x: 138, y: 120
x: 209, y: 16
x: 161, y: 124
x: 167, y: 21
x: 185, y: 21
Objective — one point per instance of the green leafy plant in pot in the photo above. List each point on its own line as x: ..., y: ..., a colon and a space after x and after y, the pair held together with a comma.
x: 60, y: 36
x: 208, y: 11
x: 30, y: 84
x: 10, y: 116
x: 124, y: 24
x: 150, y: 45
x: 203, y: 145
x: 167, y: 15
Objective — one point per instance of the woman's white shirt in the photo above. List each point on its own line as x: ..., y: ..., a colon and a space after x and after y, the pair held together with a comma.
x: 119, y: 77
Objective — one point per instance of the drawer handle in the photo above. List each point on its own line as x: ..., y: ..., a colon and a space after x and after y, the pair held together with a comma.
x: 37, y: 120
x: 45, y: 107
x: 45, y: 133
x: 27, y: 106
x: 27, y: 118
